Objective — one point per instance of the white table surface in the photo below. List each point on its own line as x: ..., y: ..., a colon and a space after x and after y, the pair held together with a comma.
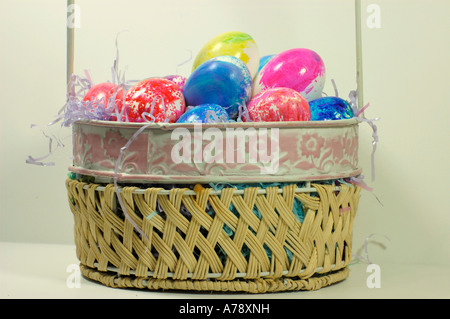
x: 40, y: 271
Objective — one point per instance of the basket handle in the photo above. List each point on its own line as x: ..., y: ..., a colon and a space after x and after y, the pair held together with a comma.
x: 359, y: 69
x: 70, y: 47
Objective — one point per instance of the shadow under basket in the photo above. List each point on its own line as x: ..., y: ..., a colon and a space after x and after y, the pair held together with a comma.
x: 251, y: 240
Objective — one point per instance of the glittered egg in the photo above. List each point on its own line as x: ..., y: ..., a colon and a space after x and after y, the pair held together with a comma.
x: 178, y: 79
x: 154, y: 100
x: 206, y: 113
x: 278, y: 104
x: 300, y: 69
x: 330, y: 108
x: 100, y: 94
x: 235, y: 43
x: 223, y: 80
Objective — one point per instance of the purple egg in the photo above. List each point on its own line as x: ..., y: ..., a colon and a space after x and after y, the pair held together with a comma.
x: 178, y: 79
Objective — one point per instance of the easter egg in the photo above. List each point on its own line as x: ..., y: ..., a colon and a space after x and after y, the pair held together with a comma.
x: 330, y: 108
x: 223, y: 80
x: 100, y: 94
x: 300, y: 69
x: 278, y: 104
x: 154, y: 100
x: 178, y: 79
x: 206, y: 113
x: 234, y: 43
x: 263, y: 61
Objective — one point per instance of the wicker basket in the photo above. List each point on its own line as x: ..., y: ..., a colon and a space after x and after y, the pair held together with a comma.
x: 249, y: 240
x: 138, y: 233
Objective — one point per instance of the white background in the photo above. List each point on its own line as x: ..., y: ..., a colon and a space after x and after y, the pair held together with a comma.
x: 406, y: 78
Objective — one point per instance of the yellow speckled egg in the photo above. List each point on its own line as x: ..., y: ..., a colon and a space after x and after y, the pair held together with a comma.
x: 234, y: 43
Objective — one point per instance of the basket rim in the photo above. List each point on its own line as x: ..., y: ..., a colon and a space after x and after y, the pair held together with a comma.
x: 172, y: 126
x: 210, y: 285
x: 265, y: 274
x: 306, y: 189
x: 109, y: 177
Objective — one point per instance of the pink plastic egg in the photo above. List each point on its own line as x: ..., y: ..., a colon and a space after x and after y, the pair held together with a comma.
x: 154, y: 100
x: 299, y: 69
x: 278, y: 104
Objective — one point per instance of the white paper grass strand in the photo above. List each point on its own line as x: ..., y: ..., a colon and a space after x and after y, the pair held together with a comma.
x: 179, y: 65
x: 336, y: 93
x: 116, y: 186
x: 76, y: 109
x: 51, y: 139
x: 366, y: 250
x: 358, y: 111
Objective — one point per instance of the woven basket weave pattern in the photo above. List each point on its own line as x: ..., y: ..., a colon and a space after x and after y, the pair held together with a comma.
x: 187, y: 252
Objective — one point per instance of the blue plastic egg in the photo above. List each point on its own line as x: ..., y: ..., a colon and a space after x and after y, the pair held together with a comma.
x: 224, y: 80
x: 206, y: 113
x: 330, y: 108
x: 263, y: 61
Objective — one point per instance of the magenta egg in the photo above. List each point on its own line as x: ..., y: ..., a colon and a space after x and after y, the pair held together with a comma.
x: 278, y: 104
x: 299, y: 69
